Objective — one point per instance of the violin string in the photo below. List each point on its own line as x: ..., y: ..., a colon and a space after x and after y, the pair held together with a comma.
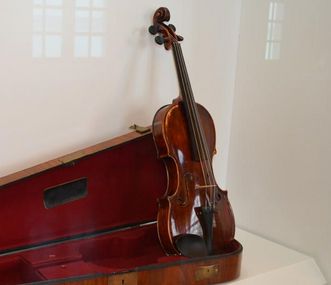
x: 181, y: 72
x: 185, y: 92
x: 205, y: 149
x: 193, y: 107
x: 197, y: 126
x: 188, y: 101
x: 191, y: 104
x: 204, y: 145
x: 201, y: 135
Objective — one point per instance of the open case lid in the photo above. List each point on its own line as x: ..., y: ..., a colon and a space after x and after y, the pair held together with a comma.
x: 112, y: 184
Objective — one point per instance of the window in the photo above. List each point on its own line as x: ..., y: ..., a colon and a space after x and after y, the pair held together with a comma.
x: 89, y: 28
x: 47, y: 28
x: 274, y: 34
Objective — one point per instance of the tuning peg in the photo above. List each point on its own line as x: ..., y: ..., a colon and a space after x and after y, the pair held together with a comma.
x: 171, y: 26
x: 159, y: 40
x: 153, y: 29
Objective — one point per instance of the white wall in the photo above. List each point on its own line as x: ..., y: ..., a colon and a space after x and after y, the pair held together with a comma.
x: 213, y: 68
x: 52, y: 106
x: 280, y: 147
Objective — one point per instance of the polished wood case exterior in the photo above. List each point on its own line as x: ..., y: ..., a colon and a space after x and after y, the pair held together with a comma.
x: 215, y: 270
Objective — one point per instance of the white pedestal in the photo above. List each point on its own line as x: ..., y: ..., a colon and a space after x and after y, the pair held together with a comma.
x: 268, y: 263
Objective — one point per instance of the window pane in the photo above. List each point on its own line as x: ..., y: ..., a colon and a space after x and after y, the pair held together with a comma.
x: 38, y: 2
x: 275, y: 51
x: 53, y: 20
x: 271, y: 11
x: 97, y: 22
x: 276, y: 32
x: 96, y: 46
x: 279, y: 11
x: 82, y: 24
x: 267, y: 51
x: 37, y: 46
x: 37, y: 20
x: 54, y: 2
x: 81, y: 46
x: 83, y: 3
x: 98, y: 3
x: 270, y: 30
x: 53, y: 46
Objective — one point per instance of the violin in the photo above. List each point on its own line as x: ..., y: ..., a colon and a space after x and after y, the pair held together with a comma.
x: 194, y: 215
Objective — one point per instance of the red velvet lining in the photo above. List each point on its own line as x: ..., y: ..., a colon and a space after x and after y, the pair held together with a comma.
x: 123, y: 185
x: 111, y: 253
x: 15, y: 270
x: 116, y: 252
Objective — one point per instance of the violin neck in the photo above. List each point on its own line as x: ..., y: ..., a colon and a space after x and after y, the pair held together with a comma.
x: 200, y: 151
x: 183, y: 78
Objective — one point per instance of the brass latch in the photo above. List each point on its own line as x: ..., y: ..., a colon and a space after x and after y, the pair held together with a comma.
x: 206, y: 272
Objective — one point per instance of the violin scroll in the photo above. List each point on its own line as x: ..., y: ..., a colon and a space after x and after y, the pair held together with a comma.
x: 167, y: 33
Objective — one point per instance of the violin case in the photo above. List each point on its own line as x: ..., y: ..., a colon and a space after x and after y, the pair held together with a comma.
x: 90, y: 218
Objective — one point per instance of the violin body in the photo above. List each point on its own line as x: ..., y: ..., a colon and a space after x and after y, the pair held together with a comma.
x: 177, y: 208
